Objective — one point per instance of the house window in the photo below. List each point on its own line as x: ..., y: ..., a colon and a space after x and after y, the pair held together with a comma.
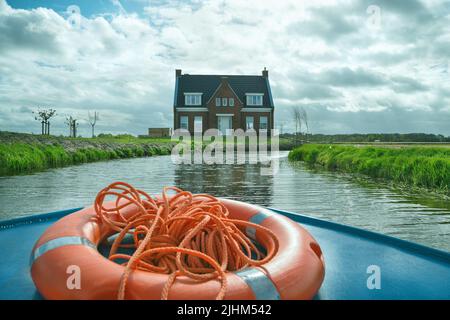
x: 193, y: 99
x: 218, y: 100
x: 224, y: 102
x: 184, y: 122
x: 254, y: 99
x: 225, y: 124
x: 263, y: 123
x: 198, y: 124
x: 249, y: 123
x: 231, y: 102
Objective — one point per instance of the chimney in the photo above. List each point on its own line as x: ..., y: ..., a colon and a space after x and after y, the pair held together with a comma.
x: 265, y: 73
x: 177, y: 73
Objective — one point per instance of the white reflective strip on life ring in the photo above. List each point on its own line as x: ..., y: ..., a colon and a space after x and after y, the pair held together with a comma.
x: 257, y: 219
x: 262, y: 287
x: 60, y: 242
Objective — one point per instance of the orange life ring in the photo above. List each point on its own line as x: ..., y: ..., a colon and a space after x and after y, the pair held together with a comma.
x: 295, y: 272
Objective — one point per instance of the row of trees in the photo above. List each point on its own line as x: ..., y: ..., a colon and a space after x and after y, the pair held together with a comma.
x: 377, y: 137
x: 44, y: 116
x: 299, y: 116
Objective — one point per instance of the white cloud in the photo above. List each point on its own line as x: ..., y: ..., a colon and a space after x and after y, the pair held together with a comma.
x: 321, y: 55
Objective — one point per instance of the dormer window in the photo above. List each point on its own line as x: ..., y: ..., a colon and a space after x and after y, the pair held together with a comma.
x: 224, y: 102
x: 254, y: 99
x: 193, y: 99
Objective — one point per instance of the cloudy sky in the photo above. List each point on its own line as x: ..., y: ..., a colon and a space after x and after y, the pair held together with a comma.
x: 355, y: 66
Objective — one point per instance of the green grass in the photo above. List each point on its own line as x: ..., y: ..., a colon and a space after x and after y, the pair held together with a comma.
x: 125, y: 138
x: 423, y: 167
x: 24, y: 153
x: 284, y: 143
x: 20, y: 158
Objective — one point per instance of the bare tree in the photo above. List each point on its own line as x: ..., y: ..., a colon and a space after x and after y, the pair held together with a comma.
x: 72, y: 123
x: 304, y: 117
x: 44, y: 116
x: 93, y: 121
x: 297, y: 116
x: 69, y: 124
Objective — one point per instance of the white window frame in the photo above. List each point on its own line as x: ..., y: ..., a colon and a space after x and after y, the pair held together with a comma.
x: 231, y: 102
x: 196, y: 123
x: 247, y: 122
x: 193, y: 98
x: 218, y: 102
x: 187, y: 122
x: 192, y: 109
x: 230, y: 119
x: 254, y: 99
x: 224, y: 102
x: 267, y: 122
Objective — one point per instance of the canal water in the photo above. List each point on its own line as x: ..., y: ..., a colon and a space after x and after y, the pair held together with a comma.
x: 324, y: 195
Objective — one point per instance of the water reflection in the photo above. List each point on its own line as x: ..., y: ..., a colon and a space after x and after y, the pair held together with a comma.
x: 241, y: 182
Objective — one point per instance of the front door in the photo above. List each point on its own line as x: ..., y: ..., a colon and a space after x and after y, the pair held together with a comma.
x: 224, y: 123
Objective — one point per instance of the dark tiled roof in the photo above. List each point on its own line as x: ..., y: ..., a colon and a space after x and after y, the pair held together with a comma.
x: 207, y: 84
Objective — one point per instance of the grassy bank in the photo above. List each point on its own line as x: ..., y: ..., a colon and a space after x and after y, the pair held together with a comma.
x: 423, y: 167
x: 24, y: 153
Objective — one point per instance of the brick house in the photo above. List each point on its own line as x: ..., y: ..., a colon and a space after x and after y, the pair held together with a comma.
x: 223, y: 102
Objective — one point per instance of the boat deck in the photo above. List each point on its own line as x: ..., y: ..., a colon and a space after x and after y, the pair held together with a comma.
x: 407, y: 270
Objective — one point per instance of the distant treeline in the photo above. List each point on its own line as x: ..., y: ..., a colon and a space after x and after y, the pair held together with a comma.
x: 371, y: 137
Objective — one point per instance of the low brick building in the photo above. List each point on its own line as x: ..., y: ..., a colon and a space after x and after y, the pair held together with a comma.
x: 159, y: 132
x: 223, y: 102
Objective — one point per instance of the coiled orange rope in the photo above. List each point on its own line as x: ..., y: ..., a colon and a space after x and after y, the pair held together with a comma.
x: 180, y: 235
